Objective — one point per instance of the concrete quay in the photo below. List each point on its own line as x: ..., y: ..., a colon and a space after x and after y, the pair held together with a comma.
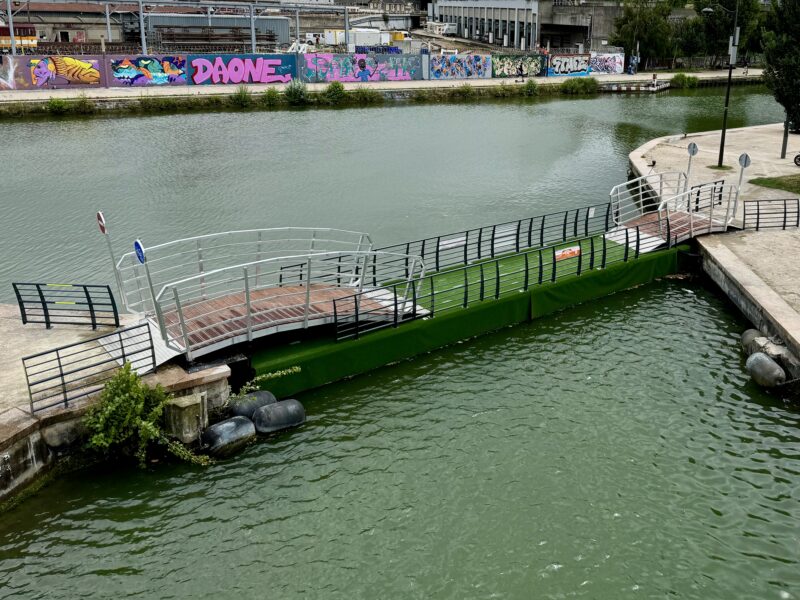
x: 757, y: 270
x: 395, y: 89
x: 31, y: 444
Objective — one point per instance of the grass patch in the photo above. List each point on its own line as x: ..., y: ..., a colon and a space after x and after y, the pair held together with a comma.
x: 364, y: 96
x: 57, y: 106
x: 718, y: 168
x: 334, y: 94
x: 579, y: 86
x: 242, y: 98
x: 296, y: 93
x: 789, y: 183
x: 270, y: 98
x: 531, y: 88
x: 462, y: 93
x: 682, y: 81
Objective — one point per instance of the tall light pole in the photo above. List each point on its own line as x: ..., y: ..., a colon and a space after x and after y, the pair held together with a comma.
x: 733, y: 44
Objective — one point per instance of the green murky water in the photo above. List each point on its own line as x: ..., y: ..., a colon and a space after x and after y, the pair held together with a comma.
x: 615, y: 450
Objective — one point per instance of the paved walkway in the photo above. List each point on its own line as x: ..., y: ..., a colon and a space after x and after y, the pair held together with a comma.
x: 762, y: 143
x: 758, y: 270
x: 98, y: 93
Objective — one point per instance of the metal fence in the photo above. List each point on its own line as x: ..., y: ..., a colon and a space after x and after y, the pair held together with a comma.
x: 66, y: 304
x: 495, y: 278
x: 64, y: 375
x: 771, y: 213
x: 465, y: 247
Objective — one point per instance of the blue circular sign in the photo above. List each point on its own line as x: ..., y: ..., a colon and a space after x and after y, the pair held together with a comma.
x: 139, y: 249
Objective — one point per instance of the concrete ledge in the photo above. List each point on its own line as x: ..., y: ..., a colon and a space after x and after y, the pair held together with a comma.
x: 762, y: 305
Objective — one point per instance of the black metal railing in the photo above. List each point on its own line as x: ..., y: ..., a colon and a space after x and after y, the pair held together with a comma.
x: 64, y: 375
x: 461, y: 287
x: 771, y: 213
x: 466, y: 247
x: 66, y: 304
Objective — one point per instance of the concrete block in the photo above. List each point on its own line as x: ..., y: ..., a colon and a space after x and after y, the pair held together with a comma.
x: 186, y: 417
x: 60, y: 436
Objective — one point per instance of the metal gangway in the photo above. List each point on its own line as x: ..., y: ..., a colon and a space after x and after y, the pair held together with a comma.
x: 209, y: 292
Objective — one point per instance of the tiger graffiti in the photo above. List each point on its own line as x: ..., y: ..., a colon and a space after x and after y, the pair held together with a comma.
x: 249, y: 68
x: 137, y: 71
x: 607, y: 63
x: 52, y: 71
x: 569, y: 64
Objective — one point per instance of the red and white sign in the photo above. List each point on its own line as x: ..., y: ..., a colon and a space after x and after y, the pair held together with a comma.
x: 101, y: 223
x: 566, y: 253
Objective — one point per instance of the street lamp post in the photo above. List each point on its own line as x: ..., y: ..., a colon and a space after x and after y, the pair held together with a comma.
x: 734, y: 43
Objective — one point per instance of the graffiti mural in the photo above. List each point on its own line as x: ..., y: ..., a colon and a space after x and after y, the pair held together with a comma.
x: 506, y: 65
x: 568, y: 64
x: 361, y: 67
x: 62, y: 71
x: 213, y: 69
x: 138, y: 71
x: 7, y: 70
x: 612, y: 64
x: 461, y: 66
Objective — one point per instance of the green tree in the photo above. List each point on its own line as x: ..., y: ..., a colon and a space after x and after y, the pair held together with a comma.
x: 782, y: 55
x: 719, y: 23
x: 645, y: 22
x: 689, y: 36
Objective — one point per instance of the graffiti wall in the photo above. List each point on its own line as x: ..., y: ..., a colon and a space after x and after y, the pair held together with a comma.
x: 507, y: 65
x: 466, y: 66
x: 360, y: 67
x: 568, y: 64
x: 612, y: 64
x: 7, y: 71
x: 48, y: 72
x: 214, y: 69
x: 138, y: 71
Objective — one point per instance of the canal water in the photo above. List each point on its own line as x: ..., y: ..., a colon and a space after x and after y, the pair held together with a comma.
x: 614, y: 450
x: 399, y: 173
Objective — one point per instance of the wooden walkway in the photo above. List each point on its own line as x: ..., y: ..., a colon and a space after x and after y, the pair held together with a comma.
x: 215, y: 320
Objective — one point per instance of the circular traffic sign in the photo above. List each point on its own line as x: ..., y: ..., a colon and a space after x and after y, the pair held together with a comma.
x: 138, y: 247
x: 744, y: 160
x: 101, y: 222
x: 692, y: 149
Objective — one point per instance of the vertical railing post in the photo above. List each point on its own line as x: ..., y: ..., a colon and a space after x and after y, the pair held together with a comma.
x: 605, y: 253
x: 553, y: 274
x: 466, y: 289
x: 758, y: 215
x: 482, y: 288
x: 248, y: 305
x: 28, y: 385
x: 466, y: 246
x: 91, y: 306
x: 586, y: 222
x: 591, y: 253
x: 627, y: 244
x: 580, y: 259
x: 22, y: 310
x: 494, y: 233
x: 516, y: 239
x: 608, y: 215
x: 363, y: 273
x: 669, y: 233
x: 480, y: 242
x: 575, y: 224
x: 308, y: 289
x: 784, y: 213
x: 438, y: 247
x: 182, y: 323
x: 541, y: 232
x: 113, y: 305
x: 527, y: 274
x: 496, y: 279
x: 564, y: 232
x: 541, y: 268
x: 45, y: 310
x: 356, y: 316
x: 636, y: 253
x: 396, y: 316
x: 530, y: 232
x: 152, y: 346
x: 433, y: 296
x: 61, y: 375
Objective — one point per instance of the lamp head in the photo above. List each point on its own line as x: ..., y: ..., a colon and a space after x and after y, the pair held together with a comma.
x: 707, y: 10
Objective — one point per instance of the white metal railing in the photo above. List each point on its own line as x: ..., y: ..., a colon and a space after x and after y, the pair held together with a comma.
x: 697, y: 211
x: 204, y: 312
x: 192, y: 256
x: 638, y: 196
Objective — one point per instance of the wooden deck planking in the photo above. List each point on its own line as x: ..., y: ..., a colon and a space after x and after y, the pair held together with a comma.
x: 209, y: 321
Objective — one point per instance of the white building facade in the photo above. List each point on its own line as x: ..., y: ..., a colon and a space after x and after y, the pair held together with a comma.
x: 508, y: 23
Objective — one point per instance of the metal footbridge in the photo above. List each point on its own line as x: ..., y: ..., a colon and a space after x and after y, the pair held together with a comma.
x: 210, y: 292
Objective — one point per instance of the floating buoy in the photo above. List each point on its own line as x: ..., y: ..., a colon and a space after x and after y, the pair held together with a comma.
x: 246, y: 406
x: 748, y: 337
x: 283, y: 414
x: 765, y: 371
x: 228, y: 436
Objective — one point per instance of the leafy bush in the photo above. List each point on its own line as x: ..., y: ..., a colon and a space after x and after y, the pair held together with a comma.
x: 57, y: 106
x: 681, y: 81
x: 579, y: 86
x: 363, y: 95
x: 83, y: 106
x: 241, y: 98
x: 531, y: 88
x: 270, y: 98
x: 421, y: 96
x: 126, y: 421
x: 463, y: 92
x: 505, y: 91
x: 334, y: 94
x: 297, y: 93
